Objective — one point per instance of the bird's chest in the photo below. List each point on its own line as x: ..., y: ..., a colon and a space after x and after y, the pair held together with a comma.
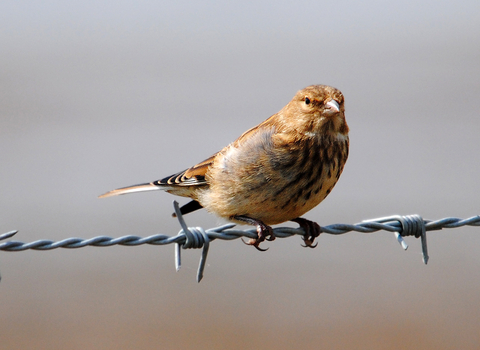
x: 275, y: 183
x: 308, y: 180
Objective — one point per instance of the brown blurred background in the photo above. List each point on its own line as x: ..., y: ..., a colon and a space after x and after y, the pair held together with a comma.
x: 99, y: 95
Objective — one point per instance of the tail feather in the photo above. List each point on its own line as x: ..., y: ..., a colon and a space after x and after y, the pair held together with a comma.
x: 132, y: 189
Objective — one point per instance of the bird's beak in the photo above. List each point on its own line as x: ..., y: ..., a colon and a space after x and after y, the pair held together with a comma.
x: 332, y: 106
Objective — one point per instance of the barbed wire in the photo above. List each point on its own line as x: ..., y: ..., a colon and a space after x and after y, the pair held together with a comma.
x: 197, y: 237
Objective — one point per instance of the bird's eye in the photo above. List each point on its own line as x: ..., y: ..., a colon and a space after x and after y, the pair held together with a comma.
x: 307, y: 101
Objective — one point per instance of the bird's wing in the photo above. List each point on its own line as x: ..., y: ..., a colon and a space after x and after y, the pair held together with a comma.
x: 194, y: 176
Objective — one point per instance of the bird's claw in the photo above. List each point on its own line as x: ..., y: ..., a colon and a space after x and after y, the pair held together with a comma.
x: 312, y: 231
x: 309, y: 243
x: 265, y: 232
x: 255, y: 242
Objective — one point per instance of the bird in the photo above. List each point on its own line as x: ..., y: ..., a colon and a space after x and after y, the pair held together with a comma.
x: 274, y: 172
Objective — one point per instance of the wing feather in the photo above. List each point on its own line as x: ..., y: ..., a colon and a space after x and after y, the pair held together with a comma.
x: 194, y: 176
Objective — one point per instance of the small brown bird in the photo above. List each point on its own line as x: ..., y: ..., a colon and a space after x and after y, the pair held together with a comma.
x: 274, y: 172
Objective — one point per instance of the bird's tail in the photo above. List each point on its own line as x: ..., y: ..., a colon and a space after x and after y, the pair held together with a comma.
x: 131, y: 189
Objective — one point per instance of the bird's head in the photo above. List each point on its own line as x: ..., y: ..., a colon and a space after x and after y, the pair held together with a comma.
x: 317, y: 109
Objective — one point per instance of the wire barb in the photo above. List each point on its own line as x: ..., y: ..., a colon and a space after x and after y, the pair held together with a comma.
x: 8, y: 235
x: 411, y: 225
x: 197, y: 237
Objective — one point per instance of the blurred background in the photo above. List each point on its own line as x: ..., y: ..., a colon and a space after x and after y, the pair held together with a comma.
x: 96, y: 95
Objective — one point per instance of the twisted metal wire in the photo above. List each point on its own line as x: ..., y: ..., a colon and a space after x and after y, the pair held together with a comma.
x: 197, y: 237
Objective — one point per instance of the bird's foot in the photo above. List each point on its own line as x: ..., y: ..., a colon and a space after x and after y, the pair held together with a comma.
x: 264, y: 232
x: 312, y: 231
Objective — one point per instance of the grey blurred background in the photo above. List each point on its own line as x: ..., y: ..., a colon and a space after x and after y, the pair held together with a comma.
x: 98, y: 95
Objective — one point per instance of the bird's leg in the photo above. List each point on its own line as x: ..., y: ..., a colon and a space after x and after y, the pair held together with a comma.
x: 264, y: 232
x: 312, y: 231
x: 188, y: 208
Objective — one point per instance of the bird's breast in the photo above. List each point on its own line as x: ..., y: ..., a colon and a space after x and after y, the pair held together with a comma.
x: 274, y: 179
